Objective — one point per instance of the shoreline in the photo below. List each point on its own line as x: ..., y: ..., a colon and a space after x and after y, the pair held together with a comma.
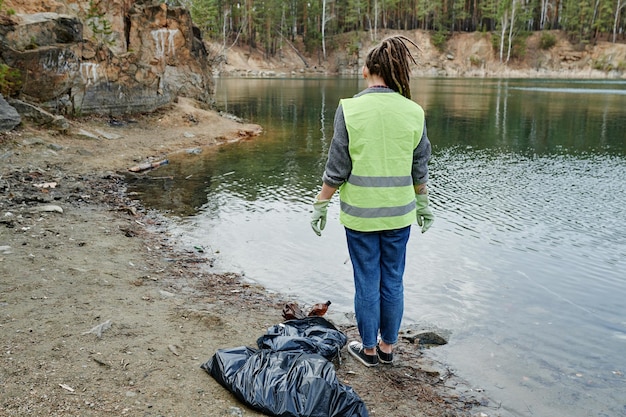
x: 508, y: 74
x: 79, y: 254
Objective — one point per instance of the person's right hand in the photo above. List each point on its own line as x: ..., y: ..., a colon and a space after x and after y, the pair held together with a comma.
x: 425, y: 216
x: 318, y: 218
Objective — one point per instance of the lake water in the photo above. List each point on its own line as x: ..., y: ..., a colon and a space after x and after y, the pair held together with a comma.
x: 525, y: 264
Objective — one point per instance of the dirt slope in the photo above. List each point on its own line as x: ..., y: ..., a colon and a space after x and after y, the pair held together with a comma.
x: 464, y: 55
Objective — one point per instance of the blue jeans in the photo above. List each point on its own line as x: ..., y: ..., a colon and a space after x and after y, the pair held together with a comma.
x: 378, y: 260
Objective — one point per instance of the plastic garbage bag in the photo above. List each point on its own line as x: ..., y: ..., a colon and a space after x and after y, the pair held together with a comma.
x: 310, y: 335
x: 290, y: 375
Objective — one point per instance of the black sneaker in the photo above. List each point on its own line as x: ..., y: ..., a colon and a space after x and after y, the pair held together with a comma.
x: 356, y: 350
x: 383, y: 357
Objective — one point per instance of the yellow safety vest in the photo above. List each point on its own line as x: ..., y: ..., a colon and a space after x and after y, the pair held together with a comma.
x: 383, y: 131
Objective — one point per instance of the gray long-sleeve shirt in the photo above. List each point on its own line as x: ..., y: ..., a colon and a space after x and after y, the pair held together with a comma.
x: 339, y: 163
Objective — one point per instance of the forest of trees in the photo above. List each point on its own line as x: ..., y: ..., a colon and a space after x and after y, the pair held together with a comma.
x: 271, y: 23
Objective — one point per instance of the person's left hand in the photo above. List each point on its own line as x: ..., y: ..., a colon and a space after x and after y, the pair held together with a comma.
x: 425, y: 216
x: 318, y: 218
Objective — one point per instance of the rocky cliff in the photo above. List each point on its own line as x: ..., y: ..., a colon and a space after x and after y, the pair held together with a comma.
x: 103, y: 56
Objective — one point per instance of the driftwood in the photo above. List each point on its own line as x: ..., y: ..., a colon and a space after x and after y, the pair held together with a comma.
x: 148, y: 165
x: 306, y: 64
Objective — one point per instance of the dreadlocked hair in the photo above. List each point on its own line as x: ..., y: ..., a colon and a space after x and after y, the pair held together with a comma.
x: 390, y: 60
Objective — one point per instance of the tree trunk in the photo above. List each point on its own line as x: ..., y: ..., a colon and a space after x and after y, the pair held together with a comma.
x: 544, y: 14
x: 508, y: 54
x: 618, y: 8
x: 504, y: 21
x: 375, y: 19
x: 324, y: 29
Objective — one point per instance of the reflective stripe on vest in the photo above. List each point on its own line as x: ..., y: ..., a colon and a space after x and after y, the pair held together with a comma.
x: 380, y: 181
x: 372, y: 213
x: 383, y: 131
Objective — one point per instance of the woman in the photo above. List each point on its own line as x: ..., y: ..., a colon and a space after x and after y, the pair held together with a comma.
x: 378, y: 160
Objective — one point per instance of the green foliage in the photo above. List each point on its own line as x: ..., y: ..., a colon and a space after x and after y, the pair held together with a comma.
x: 353, y: 47
x: 475, y: 61
x: 32, y: 43
x: 547, y: 41
x: 354, y: 13
x: 9, y: 12
x: 601, y: 65
x: 439, y: 40
x: 313, y: 41
x: 206, y: 15
x: 518, y: 45
x: 495, y: 41
x: 99, y: 25
x: 606, y: 64
x: 584, y: 20
x: 10, y: 80
x: 268, y: 23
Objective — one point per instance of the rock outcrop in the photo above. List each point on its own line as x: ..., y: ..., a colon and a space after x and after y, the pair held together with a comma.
x: 106, y: 56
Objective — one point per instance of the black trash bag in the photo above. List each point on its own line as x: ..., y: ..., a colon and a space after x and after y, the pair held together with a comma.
x: 285, y: 384
x: 310, y: 335
x: 290, y: 375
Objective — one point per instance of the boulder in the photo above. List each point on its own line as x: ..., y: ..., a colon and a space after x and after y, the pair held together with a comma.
x: 9, y: 117
x: 43, y: 29
x: 39, y: 116
x: 47, y: 72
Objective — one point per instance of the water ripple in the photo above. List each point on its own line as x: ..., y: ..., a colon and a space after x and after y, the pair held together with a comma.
x: 533, y: 203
